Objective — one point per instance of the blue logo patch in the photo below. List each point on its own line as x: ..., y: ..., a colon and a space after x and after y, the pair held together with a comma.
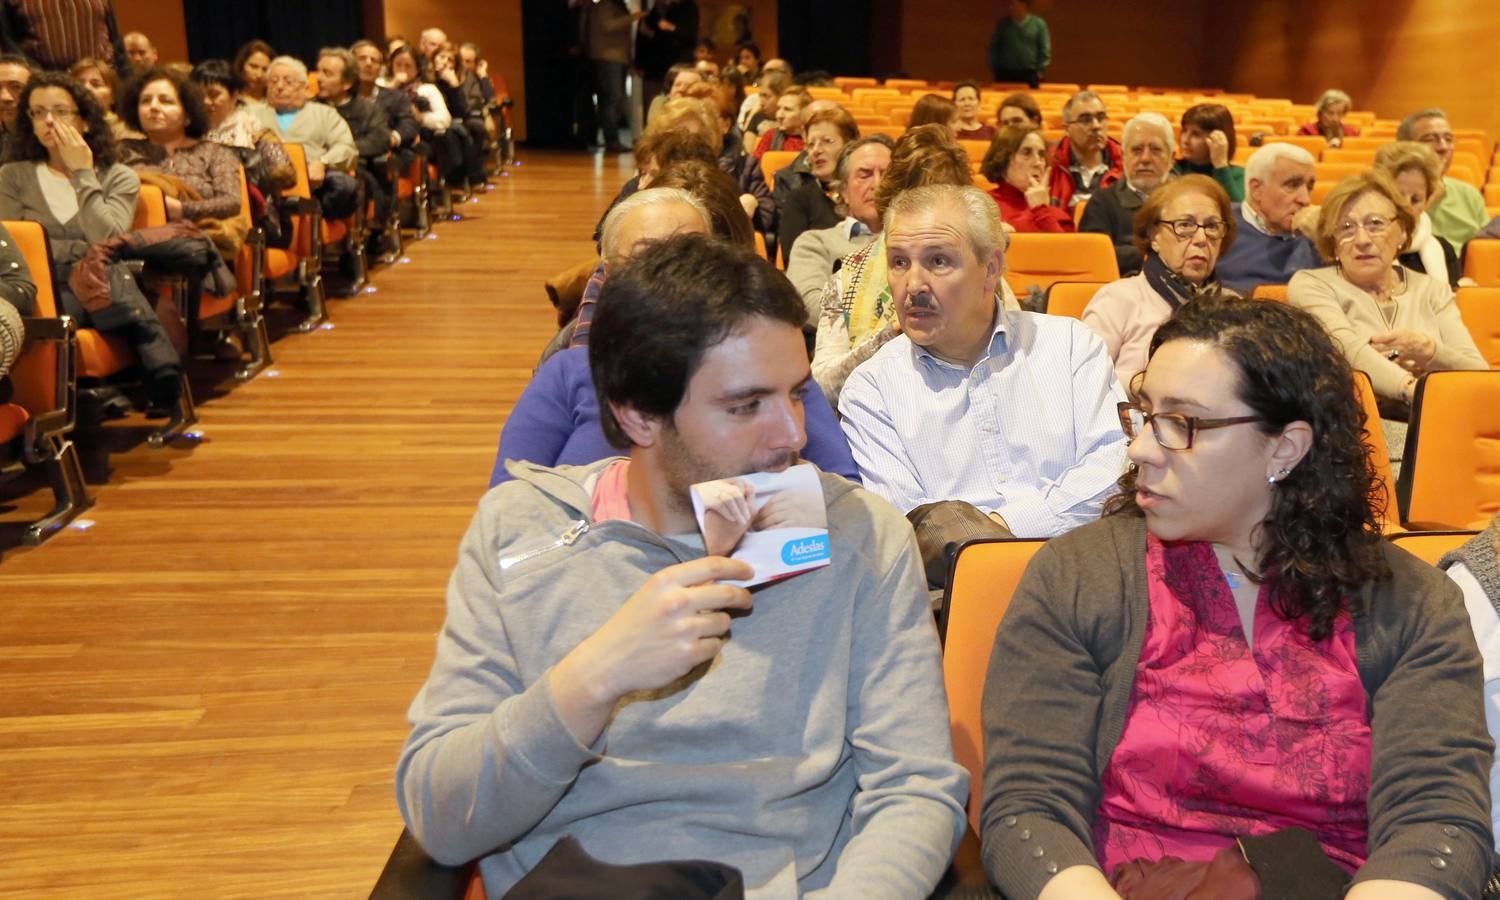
x: 805, y: 550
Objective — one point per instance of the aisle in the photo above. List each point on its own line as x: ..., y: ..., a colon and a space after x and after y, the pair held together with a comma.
x: 204, y: 693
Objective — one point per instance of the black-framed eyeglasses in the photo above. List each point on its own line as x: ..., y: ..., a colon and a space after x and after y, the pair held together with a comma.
x: 1187, y: 226
x: 1173, y: 431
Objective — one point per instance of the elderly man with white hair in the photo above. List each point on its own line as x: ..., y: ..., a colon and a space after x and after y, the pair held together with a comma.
x: 322, y: 132
x: 1149, y: 151
x: 430, y: 41
x: 1272, y: 243
x: 978, y: 420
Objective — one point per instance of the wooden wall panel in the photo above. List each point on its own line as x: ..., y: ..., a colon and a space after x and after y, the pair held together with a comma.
x: 1391, y: 56
x: 495, y: 25
x: 160, y: 20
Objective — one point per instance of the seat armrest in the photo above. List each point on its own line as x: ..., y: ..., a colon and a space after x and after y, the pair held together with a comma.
x: 966, y: 878
x: 410, y: 874
x: 47, y: 329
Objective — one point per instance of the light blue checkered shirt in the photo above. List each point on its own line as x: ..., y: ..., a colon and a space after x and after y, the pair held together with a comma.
x: 1030, y: 431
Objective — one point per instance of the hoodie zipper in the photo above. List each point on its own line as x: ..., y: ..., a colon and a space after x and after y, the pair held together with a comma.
x: 575, y: 531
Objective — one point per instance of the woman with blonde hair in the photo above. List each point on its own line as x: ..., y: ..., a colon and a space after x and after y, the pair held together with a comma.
x: 1418, y: 174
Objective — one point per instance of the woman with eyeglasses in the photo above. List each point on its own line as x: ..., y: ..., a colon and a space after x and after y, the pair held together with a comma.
x: 61, y: 172
x: 1182, y: 230
x: 1016, y: 162
x: 813, y: 203
x: 1231, y: 685
x: 1393, y: 323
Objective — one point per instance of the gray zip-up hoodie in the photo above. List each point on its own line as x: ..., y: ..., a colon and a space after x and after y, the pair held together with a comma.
x: 813, y: 754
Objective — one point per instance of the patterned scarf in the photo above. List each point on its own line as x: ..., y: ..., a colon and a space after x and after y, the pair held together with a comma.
x: 1172, y: 287
x: 866, y: 299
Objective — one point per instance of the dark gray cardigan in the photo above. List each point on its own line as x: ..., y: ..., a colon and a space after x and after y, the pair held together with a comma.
x: 1060, y: 680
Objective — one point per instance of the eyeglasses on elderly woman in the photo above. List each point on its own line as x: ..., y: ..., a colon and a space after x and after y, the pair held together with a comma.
x: 1187, y: 226
x: 1173, y: 431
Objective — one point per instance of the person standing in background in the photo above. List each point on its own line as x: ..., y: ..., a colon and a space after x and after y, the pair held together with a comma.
x: 55, y: 34
x: 607, y: 40
x: 1021, y: 47
x: 665, y: 37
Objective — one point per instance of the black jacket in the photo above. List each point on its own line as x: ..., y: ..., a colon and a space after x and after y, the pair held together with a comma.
x: 1112, y: 212
x: 399, y: 115
x: 372, y: 135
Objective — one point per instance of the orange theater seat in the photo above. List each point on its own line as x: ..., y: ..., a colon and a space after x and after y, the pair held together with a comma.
x: 1480, y: 309
x: 1430, y: 546
x: 1275, y: 292
x: 1040, y: 260
x: 1071, y: 298
x: 1482, y: 262
x: 773, y: 161
x: 1378, y: 451
x: 1450, y: 476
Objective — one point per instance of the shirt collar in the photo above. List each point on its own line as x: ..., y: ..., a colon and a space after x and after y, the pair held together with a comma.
x: 854, y: 228
x: 1253, y: 218
x: 997, y: 335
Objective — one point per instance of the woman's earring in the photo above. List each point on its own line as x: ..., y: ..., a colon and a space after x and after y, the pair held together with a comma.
x: 1280, y: 474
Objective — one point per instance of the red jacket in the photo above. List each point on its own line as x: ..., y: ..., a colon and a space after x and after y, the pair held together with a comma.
x: 1015, y: 212
x: 775, y: 140
x: 1062, y: 176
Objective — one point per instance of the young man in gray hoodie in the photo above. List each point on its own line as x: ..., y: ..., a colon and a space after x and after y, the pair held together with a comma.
x: 597, y: 678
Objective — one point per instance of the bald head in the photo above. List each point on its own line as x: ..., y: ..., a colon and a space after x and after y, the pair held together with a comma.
x: 650, y: 215
x: 430, y: 40
x: 140, y: 51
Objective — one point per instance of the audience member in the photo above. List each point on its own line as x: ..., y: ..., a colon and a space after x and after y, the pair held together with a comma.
x: 858, y: 316
x: 400, y: 116
x: 703, y: 179
x: 1418, y: 174
x: 676, y: 81
x: 705, y: 51
x: 432, y: 114
x: 758, y: 113
x: 747, y: 60
x: 15, y: 72
x: 1149, y: 149
x: 1475, y: 568
x: 1020, y: 47
x: 101, y: 81
x: 62, y: 174
x: 202, y: 178
x: 1331, y: 108
x: 1459, y: 214
x: 1208, y: 144
x: 140, y: 51
x: 430, y: 41
x: 934, y: 109
x: 251, y: 64
x: 1019, y: 109
x: 837, y: 777
x: 969, y: 100
x: 608, y: 27
x: 321, y: 131
x: 1087, y: 160
x: 860, y: 165
x: 1232, y: 681
x: 1272, y: 224
x: 556, y: 420
x: 1392, y: 323
x: 467, y: 125
x: 685, y: 129
x: 708, y: 70
x: 56, y: 36
x: 1017, y: 163
x: 479, y: 90
x: 978, y: 421
x: 664, y: 39
x: 1181, y: 230
x: 249, y: 131
x: 338, y: 77
x: 787, y: 135
x: 799, y: 171
x: 755, y: 194
x: 810, y: 205
x: 17, y: 299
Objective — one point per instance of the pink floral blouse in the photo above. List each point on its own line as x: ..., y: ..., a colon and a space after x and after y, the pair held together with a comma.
x: 1221, y: 741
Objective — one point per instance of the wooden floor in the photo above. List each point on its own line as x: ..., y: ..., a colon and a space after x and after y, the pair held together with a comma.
x: 203, y: 694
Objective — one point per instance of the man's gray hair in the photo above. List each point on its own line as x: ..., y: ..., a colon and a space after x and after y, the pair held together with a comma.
x: 1150, y: 120
x: 1258, y: 167
x: 981, y: 221
x: 841, y: 169
x: 610, y: 233
x: 290, y: 62
x: 1406, y: 131
x: 1080, y: 97
x: 345, y: 55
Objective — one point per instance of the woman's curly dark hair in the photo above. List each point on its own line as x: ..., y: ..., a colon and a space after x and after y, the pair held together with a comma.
x: 24, y: 145
x: 1322, y: 535
x: 190, y: 95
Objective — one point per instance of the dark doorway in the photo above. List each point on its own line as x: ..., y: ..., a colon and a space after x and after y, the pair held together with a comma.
x: 216, y: 28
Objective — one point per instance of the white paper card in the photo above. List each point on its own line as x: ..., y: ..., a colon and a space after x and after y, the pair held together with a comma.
x: 775, y: 521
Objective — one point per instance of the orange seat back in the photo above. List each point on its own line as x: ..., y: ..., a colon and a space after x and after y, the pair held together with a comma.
x: 1429, y: 546
x: 773, y: 161
x: 1070, y: 298
x: 1378, y: 450
x: 1450, y: 476
x: 301, y: 243
x: 150, y: 208
x: 1275, y: 292
x: 1480, y: 309
x: 34, y: 374
x: 1041, y: 260
x: 985, y: 575
x: 976, y: 151
x: 1482, y: 261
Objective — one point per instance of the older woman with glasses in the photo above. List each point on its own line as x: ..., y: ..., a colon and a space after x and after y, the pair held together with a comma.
x: 1392, y: 323
x: 1231, y: 685
x: 1181, y: 230
x: 813, y: 204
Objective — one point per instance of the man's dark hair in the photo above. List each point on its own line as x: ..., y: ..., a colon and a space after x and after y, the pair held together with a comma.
x: 708, y: 44
x: 216, y: 72
x: 24, y: 145
x: 16, y: 59
x: 660, y: 312
x: 753, y: 47
x: 194, y: 114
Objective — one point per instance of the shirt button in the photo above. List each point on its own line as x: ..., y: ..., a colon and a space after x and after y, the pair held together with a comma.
x: 1450, y: 831
x: 1038, y: 853
x: 1445, y: 849
x: 1439, y: 863
x: 1010, y: 821
x: 1026, y: 834
x: 1051, y: 868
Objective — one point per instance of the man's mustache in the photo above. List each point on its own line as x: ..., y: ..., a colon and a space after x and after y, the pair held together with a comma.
x: 921, y: 301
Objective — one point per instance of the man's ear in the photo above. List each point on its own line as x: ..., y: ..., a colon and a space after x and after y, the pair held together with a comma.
x: 643, y: 430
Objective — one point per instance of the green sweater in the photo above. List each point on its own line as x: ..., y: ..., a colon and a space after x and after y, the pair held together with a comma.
x: 1460, y: 214
x: 1231, y: 177
x: 1060, y: 682
x: 1021, y: 45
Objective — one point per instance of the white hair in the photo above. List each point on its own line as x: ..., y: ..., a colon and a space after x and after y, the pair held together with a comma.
x: 436, y: 35
x: 1258, y: 167
x: 981, y: 221
x: 609, y: 234
x: 1150, y: 120
x: 290, y: 62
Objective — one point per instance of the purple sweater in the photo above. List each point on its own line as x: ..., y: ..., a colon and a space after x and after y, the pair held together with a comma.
x: 556, y: 423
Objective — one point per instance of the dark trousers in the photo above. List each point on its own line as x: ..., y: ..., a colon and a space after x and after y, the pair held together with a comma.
x: 942, y: 528
x: 339, y: 195
x: 129, y: 316
x: 609, y: 88
x: 1022, y: 76
x: 474, y: 137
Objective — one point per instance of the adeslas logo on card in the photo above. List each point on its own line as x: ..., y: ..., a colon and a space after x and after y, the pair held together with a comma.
x: 805, y: 550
